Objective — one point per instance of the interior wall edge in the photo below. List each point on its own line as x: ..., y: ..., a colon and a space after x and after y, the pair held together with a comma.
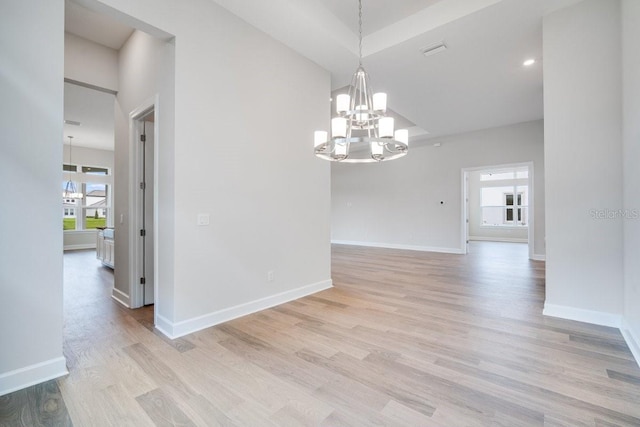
x: 179, y: 329
x: 632, y: 338
x: 400, y: 246
x: 31, y: 375
x: 613, y: 320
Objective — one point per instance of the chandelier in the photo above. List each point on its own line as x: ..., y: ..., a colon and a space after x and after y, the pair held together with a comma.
x: 70, y: 190
x: 360, y: 131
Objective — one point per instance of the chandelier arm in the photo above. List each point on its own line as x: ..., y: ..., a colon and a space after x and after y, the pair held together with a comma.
x: 372, y: 116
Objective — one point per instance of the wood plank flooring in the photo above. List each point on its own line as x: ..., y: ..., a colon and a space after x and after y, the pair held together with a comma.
x: 403, y: 339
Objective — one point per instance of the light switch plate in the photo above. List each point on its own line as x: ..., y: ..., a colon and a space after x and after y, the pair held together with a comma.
x: 203, y: 219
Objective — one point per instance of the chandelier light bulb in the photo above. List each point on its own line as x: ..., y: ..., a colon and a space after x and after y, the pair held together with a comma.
x: 338, y: 127
x: 342, y: 103
x: 319, y: 137
x: 385, y: 127
x: 380, y: 101
x: 377, y: 149
x: 402, y: 135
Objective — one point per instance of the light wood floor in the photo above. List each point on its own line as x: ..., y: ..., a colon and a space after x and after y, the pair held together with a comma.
x: 404, y: 338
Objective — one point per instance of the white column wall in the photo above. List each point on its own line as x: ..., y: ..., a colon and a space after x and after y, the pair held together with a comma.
x: 631, y: 153
x: 245, y: 111
x: 31, y: 105
x: 583, y: 161
x: 145, y: 65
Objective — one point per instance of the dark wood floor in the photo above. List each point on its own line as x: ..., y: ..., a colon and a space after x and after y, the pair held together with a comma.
x: 404, y: 338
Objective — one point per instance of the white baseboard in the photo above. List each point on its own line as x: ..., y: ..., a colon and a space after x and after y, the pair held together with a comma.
x: 632, y: 337
x: 31, y: 375
x: 185, y: 327
x: 498, y: 239
x: 400, y: 246
x: 79, y: 247
x: 539, y: 257
x: 121, y: 297
x: 581, y: 315
x: 164, y: 325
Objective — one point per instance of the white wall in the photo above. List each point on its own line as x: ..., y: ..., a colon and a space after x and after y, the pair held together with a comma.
x: 583, y: 161
x: 631, y: 154
x: 397, y: 203
x: 89, y: 62
x: 145, y: 69
x: 31, y: 119
x: 86, y: 239
x: 90, y: 157
x: 242, y: 152
x: 476, y: 230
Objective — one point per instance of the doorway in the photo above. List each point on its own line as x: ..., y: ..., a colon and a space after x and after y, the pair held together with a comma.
x: 498, y: 205
x: 121, y: 43
x: 144, y: 197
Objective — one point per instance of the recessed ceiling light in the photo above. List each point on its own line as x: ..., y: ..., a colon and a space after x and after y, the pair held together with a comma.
x: 529, y: 62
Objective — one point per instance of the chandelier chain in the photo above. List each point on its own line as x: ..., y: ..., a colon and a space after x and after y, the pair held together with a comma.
x: 360, y: 31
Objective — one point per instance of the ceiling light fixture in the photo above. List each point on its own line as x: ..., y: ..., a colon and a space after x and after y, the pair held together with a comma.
x: 529, y: 62
x: 360, y: 132
x: 70, y: 190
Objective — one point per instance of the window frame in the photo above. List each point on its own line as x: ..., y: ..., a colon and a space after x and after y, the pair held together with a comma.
x: 76, y: 172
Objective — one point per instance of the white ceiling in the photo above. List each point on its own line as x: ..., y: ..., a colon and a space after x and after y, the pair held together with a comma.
x: 478, y: 82
x: 377, y: 14
x: 94, y: 26
x: 95, y: 112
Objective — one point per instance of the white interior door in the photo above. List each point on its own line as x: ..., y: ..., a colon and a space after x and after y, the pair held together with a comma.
x: 147, y: 144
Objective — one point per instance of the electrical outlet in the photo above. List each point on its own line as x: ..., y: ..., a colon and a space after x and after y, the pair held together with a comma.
x: 270, y: 276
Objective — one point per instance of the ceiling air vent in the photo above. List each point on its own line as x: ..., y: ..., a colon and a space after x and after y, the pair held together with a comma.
x: 71, y: 122
x: 433, y: 49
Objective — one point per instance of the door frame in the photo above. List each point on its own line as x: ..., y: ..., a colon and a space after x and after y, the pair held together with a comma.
x: 464, y: 231
x: 135, y: 202
x: 465, y: 204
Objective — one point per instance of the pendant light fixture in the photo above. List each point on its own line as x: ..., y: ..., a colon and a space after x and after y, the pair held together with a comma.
x: 360, y: 131
x: 70, y: 189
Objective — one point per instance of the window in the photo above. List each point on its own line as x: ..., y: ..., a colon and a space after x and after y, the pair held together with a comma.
x: 94, y: 206
x: 93, y: 170
x: 504, y: 175
x: 503, y: 198
x: 509, y: 209
x: 93, y: 210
